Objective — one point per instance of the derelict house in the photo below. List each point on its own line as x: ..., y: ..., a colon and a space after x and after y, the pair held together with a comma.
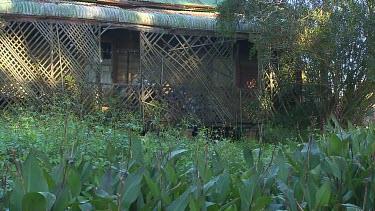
x: 144, y: 54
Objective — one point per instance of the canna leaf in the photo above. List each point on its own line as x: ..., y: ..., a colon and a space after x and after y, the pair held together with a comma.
x: 155, y: 191
x: 176, y: 152
x: 323, y: 195
x: 248, y: 155
x: 182, y: 201
x: 131, y: 189
x: 334, y: 145
x: 33, y: 175
x: 74, y: 181
x: 34, y: 201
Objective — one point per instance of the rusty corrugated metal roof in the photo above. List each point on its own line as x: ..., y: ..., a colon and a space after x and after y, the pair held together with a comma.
x: 140, y: 16
x: 188, y: 3
x: 213, y: 3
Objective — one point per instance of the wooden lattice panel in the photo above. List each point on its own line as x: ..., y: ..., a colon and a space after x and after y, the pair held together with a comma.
x: 199, y: 68
x: 122, y: 96
x: 37, y: 57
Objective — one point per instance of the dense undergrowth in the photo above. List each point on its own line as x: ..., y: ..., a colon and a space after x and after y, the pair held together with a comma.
x: 59, y: 161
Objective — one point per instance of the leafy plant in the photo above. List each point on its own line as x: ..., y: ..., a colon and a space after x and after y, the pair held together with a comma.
x: 123, y: 171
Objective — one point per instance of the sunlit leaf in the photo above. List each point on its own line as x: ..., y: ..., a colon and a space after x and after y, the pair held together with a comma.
x: 177, y: 152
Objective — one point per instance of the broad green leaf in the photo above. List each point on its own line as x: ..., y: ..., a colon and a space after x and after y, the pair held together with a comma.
x: 271, y: 175
x: 74, y: 206
x: 275, y: 207
x: 132, y: 186
x: 335, y: 165
x: 288, y: 194
x: 293, y: 159
x: 334, y: 145
x: 137, y: 150
x: 217, y: 164
x: 74, y: 181
x: 103, y: 204
x: 154, y: 188
x: 85, y: 170
x: 283, y: 172
x: 140, y: 202
x: 33, y: 175
x: 211, y: 183
x: 51, y: 183
x: 112, y: 206
x: 309, y: 193
x: 211, y: 206
x: 165, y: 197
x: 231, y: 205
x: 182, y: 202
x: 176, y: 152
x: 50, y: 199
x: 352, y: 207
x: 58, y: 173
x: 343, y: 136
x: 151, y: 204
x: 248, y: 155
x: 171, y: 174
x: 34, y: 201
x: 246, y: 189
x: 221, y: 188
x: 86, y: 206
x: 316, y: 172
x: 347, y: 196
x: 16, y: 195
x: 314, y: 149
x: 323, y: 195
x: 204, y: 171
x: 106, y: 182
x: 298, y: 189
x: 371, y: 148
x: 231, y: 208
x: 111, y: 152
x: 45, y: 159
x: 193, y: 206
x: 62, y: 200
x: 103, y: 194
x: 261, y: 202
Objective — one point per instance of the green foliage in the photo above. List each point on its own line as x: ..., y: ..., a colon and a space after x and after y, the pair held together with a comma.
x: 332, y: 171
x: 316, y: 57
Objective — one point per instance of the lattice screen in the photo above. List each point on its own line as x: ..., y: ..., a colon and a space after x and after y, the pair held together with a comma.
x: 36, y: 58
x: 193, y: 74
x: 196, y: 74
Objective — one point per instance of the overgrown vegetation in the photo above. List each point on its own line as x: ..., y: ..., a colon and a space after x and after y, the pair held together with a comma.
x: 317, y: 57
x: 320, y: 56
x: 61, y: 161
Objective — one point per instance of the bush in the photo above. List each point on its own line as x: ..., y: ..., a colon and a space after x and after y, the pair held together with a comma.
x: 118, y: 170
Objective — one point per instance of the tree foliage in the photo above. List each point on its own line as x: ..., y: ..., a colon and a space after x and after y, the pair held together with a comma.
x: 321, y: 53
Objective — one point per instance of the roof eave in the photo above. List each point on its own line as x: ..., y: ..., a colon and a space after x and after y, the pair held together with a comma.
x: 127, y: 4
x: 87, y: 12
